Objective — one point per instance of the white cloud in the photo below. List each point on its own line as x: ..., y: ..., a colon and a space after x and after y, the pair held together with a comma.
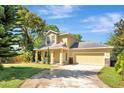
x: 102, y: 23
x: 57, y: 11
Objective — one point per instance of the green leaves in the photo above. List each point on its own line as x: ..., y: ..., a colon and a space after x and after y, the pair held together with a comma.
x: 119, y: 66
x: 31, y: 25
x: 7, y: 21
x: 78, y: 37
x: 52, y: 27
x: 117, y: 38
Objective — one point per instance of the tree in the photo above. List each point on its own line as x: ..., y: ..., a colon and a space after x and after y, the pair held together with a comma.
x: 7, y: 38
x: 117, y: 38
x: 52, y: 27
x: 31, y: 25
x: 78, y: 37
x: 119, y: 66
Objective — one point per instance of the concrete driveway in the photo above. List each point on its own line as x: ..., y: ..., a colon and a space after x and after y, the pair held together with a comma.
x: 68, y: 76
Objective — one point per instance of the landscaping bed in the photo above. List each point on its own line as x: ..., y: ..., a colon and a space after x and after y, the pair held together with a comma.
x: 110, y: 77
x: 14, y: 75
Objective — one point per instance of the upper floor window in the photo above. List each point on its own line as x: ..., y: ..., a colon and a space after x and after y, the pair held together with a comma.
x: 53, y: 39
x: 48, y: 40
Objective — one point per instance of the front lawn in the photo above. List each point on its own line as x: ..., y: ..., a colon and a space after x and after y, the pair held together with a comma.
x: 110, y: 77
x: 14, y: 75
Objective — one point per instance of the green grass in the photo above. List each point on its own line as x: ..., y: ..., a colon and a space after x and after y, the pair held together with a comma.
x: 110, y: 77
x: 14, y: 75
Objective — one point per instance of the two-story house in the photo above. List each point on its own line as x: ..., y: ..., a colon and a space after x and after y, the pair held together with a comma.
x: 64, y: 49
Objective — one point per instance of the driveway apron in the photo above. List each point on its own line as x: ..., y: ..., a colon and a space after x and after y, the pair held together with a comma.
x: 68, y: 76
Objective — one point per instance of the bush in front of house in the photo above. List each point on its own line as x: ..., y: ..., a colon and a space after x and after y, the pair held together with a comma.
x: 28, y: 56
x: 119, y: 66
x: 1, y: 67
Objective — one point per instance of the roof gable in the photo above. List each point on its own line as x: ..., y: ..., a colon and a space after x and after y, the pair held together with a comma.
x: 51, y: 31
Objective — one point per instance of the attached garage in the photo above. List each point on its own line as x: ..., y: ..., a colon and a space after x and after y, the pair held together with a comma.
x: 90, y: 53
x: 90, y: 59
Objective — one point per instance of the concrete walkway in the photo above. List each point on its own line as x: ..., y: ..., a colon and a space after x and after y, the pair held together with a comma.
x: 69, y: 76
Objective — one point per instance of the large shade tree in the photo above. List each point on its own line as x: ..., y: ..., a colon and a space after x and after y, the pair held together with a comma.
x: 31, y: 26
x: 52, y: 27
x: 7, y: 37
x: 117, y: 38
x: 78, y: 37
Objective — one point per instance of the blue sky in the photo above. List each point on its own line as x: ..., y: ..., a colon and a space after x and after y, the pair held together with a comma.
x: 94, y: 23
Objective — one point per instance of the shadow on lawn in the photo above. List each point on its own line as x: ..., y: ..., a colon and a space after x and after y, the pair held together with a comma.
x: 59, y: 73
x: 21, y: 73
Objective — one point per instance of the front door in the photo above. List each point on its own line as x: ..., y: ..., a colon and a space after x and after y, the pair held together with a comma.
x: 70, y: 60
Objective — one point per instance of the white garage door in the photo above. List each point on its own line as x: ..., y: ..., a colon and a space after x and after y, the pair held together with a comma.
x: 92, y: 59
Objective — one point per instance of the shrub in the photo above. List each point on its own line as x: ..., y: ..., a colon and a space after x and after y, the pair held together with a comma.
x: 119, y: 66
x: 1, y: 67
x: 28, y: 56
x: 19, y: 58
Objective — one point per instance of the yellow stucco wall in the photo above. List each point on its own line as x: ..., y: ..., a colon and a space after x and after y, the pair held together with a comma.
x: 56, y: 56
x: 67, y: 39
x: 50, y: 35
x: 90, y: 56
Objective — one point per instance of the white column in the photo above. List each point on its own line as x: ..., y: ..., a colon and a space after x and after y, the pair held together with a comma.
x: 41, y: 55
x: 107, y: 55
x: 55, y: 39
x: 61, y: 57
x: 51, y: 57
x: 107, y: 59
x: 36, y: 56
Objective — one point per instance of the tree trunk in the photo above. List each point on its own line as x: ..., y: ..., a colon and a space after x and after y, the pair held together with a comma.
x: 0, y: 60
x: 29, y: 40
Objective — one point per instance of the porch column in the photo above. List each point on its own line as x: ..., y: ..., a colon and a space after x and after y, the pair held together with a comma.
x: 107, y: 58
x: 41, y: 55
x: 51, y: 57
x: 61, y: 57
x: 36, y: 56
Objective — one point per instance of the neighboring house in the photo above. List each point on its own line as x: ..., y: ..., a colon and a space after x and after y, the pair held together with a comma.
x: 64, y: 49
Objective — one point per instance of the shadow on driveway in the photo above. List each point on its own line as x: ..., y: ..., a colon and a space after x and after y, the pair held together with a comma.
x: 59, y: 73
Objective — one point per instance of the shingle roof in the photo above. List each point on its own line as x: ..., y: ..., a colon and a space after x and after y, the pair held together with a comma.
x: 59, y: 45
x: 88, y: 45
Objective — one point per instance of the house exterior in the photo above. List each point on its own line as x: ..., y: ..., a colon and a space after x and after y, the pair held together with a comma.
x: 64, y: 49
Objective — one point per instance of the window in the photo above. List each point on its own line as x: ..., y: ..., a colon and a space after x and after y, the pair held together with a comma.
x: 48, y: 40
x: 53, y: 39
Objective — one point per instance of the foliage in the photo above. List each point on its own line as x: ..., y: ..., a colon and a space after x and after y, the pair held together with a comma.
x: 52, y: 27
x: 7, y: 38
x: 28, y: 56
x: 1, y: 67
x: 78, y: 37
x: 19, y: 58
x: 119, y: 66
x: 31, y: 25
x: 117, y: 38
x: 38, y: 40
x: 110, y: 77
